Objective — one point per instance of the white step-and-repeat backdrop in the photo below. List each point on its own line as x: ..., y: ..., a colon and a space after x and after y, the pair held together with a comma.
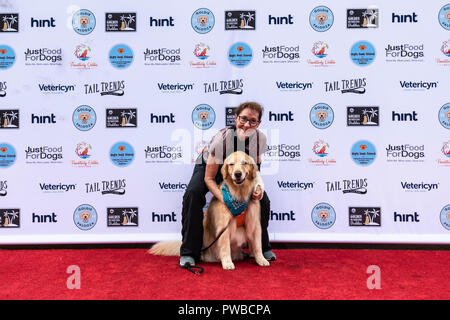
x: 104, y: 105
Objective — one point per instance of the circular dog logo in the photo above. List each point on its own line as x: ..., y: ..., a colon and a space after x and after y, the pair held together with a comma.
x: 240, y: 54
x: 203, y: 116
x: 321, y: 18
x: 84, y: 118
x: 444, y: 116
x: 323, y: 216
x: 83, y: 21
x: 362, y: 53
x: 444, y: 17
x: 363, y: 153
x: 121, y: 154
x: 321, y: 116
x: 7, y: 57
x: 7, y: 155
x: 202, y: 20
x: 121, y: 56
x: 85, y: 217
x: 445, y: 217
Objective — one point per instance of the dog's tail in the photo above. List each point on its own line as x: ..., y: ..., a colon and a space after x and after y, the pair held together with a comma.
x: 166, y: 248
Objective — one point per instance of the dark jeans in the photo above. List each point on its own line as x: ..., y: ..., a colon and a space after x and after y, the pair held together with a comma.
x: 192, y: 214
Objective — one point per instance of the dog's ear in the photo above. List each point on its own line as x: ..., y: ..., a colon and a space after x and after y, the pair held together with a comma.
x: 224, y: 171
x: 253, y: 170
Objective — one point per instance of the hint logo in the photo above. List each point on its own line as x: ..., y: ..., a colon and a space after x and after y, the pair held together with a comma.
x: 49, y: 23
x: 282, y: 216
x: 404, y: 18
x: 406, y: 217
x: 281, y: 20
x: 161, y: 22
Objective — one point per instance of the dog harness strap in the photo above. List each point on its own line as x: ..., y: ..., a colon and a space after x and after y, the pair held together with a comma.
x: 235, y: 206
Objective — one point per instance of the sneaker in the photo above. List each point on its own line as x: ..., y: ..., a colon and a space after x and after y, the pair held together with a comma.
x: 186, y: 261
x: 269, y: 255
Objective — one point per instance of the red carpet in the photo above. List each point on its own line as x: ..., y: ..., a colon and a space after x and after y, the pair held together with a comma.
x: 297, y: 274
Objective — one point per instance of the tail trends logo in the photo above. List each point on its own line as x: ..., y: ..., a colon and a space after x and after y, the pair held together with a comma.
x: 83, y: 22
x: 323, y: 216
x: 321, y: 18
x: 7, y: 57
x: 362, y: 53
x: 444, y: 17
x: 202, y: 21
x: 9, y: 22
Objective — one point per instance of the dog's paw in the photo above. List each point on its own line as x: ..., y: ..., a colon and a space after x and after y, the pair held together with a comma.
x: 227, y: 265
x: 262, y: 262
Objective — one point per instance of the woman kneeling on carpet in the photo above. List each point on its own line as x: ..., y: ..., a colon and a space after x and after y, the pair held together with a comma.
x: 244, y: 136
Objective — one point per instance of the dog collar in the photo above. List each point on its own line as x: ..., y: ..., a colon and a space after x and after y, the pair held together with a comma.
x: 235, y: 206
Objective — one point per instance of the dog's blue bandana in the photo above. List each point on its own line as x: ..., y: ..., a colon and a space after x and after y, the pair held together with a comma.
x: 235, y: 206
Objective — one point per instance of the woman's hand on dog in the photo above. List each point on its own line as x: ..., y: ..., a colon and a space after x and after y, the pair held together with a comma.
x: 257, y: 194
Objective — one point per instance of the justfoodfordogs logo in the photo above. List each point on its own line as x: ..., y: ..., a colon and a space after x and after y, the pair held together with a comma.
x: 120, y: 22
x: 163, y: 154
x: 162, y: 57
x: 240, y: 54
x: 357, y: 85
x: 111, y: 88
x: 10, y: 218
x: 43, y: 57
x: 44, y: 155
x: 404, y: 53
x: 121, y: 154
x: 202, y: 20
x: 83, y: 22
x: 8, y: 155
x: 7, y: 57
x: 405, y: 153
x: 281, y: 54
x: 115, y: 187
x: 358, y: 186
x: 364, y: 216
x: 9, y: 22
x: 121, y: 118
x: 283, y: 152
x: 363, y: 116
x: 444, y: 116
x: 362, y: 18
x: 240, y: 20
x: 321, y: 18
x: 323, y: 216
x: 362, y: 53
x: 225, y: 86
x: 203, y: 116
x: 202, y: 54
x: 320, y: 51
x: 85, y: 217
x: 321, y: 150
x: 122, y: 217
x: 444, y: 17
x: 321, y: 116
x: 84, y: 118
x: 9, y: 119
x: 363, y: 152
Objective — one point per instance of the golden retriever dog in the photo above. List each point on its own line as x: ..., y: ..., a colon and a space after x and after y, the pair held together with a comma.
x: 241, y: 177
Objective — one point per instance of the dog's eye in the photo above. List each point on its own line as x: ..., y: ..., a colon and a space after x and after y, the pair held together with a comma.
x: 231, y: 164
x: 244, y: 163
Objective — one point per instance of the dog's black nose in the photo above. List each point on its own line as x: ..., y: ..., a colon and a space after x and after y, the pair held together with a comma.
x: 238, y: 174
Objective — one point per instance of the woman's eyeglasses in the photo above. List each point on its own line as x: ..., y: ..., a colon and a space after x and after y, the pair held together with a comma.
x: 244, y: 120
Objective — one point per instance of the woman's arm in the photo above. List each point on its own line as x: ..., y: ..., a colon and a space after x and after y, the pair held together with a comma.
x: 212, y: 166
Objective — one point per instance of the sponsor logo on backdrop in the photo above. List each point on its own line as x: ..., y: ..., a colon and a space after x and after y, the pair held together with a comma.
x: 296, y: 86
x: 418, y: 187
x: 162, y: 118
x: 3, y: 88
x: 3, y: 188
x: 202, y: 20
x: 172, y: 187
x: 282, y: 152
x: 84, y: 118
x: 48, y: 119
x: 445, y: 50
x: 121, y: 118
x: 162, y: 57
x: 281, y: 54
x: 444, y: 17
x: 363, y: 116
x: 122, y: 217
x: 362, y: 18
x: 121, y: 56
x: 282, y: 116
x: 229, y: 116
x: 445, y: 217
x: 281, y: 20
x: 44, y: 155
x: 9, y: 22
x: 406, y: 217
x: 404, y: 116
x: 7, y: 57
x: 364, y: 216
x: 83, y: 22
x: 10, y: 218
x: 321, y: 18
x: 405, y: 153
x: 323, y: 215
x: 321, y: 116
x: 320, y: 51
x: 282, y: 216
x: 357, y: 86
x: 121, y: 154
x: 55, y: 88
x: 418, y: 85
x: 56, y: 187
x: 8, y: 155
x: 363, y: 153
x: 157, y: 22
x: 444, y: 115
x: 83, y: 57
x: 116, y: 187
x: 240, y: 20
x: 163, y: 154
x: 175, y: 88
x: 404, y: 18
x: 225, y: 86
x: 203, y: 116
x: 287, y: 185
x: 321, y: 150
x: 9, y: 119
x: 404, y: 53
x: 111, y: 88
x: 202, y: 54
x: 43, y: 57
x: 44, y: 218
x: 362, y: 53
x: 85, y: 217
x: 358, y: 186
x: 240, y: 54
x: 164, y: 217
x: 42, y: 23
x: 83, y: 150
x: 445, y: 151
x: 120, y: 22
